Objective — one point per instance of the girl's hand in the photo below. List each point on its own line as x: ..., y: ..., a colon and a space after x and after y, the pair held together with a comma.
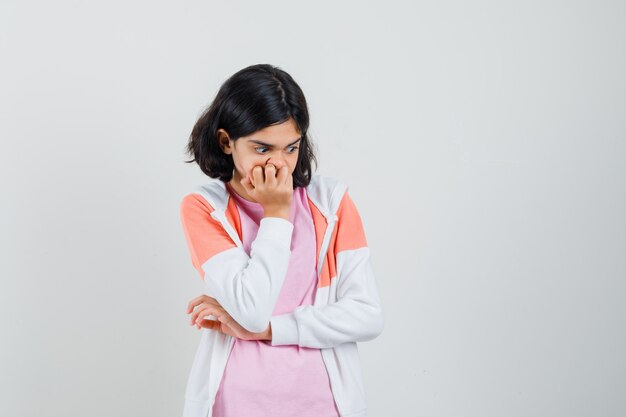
x: 224, y: 323
x: 271, y: 187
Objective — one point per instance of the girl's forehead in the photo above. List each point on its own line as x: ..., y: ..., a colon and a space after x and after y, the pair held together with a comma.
x: 272, y: 143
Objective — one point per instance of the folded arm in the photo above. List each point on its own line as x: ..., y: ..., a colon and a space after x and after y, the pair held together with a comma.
x: 247, y: 287
x: 357, y: 315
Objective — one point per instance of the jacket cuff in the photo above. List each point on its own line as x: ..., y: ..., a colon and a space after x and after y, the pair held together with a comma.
x: 276, y: 229
x: 284, y: 330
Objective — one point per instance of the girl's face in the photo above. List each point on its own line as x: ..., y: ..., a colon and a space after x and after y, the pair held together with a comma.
x: 276, y: 144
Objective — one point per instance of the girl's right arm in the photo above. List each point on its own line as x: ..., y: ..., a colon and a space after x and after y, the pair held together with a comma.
x: 247, y: 287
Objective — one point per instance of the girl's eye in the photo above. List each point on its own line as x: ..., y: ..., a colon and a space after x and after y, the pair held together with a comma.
x: 264, y: 147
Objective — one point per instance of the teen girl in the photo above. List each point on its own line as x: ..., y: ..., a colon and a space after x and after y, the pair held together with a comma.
x: 284, y: 260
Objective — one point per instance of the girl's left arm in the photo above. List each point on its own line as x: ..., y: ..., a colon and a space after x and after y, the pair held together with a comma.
x: 357, y: 314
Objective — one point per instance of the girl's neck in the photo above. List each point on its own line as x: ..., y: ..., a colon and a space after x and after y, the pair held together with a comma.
x: 236, y: 186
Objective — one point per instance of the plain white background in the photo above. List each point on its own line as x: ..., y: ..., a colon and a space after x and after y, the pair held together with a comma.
x: 483, y: 143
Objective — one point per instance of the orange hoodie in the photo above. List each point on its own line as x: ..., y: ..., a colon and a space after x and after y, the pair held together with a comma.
x: 346, y: 309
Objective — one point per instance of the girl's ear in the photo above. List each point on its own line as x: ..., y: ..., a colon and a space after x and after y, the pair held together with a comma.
x: 224, y: 141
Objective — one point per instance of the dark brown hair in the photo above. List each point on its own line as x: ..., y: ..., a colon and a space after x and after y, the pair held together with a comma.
x: 251, y: 99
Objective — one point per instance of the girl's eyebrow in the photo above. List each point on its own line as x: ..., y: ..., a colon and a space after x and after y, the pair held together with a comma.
x: 271, y: 146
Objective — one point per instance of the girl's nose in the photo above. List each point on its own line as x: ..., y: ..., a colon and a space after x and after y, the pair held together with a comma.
x: 277, y: 164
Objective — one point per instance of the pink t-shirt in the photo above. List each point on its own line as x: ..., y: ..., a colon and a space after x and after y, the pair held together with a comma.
x: 261, y: 380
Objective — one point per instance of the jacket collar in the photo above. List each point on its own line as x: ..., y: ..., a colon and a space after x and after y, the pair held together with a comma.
x: 324, y: 192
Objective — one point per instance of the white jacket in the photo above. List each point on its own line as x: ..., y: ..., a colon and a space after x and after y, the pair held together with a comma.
x: 346, y: 306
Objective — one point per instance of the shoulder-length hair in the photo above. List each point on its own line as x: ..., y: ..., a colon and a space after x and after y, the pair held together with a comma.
x: 251, y: 99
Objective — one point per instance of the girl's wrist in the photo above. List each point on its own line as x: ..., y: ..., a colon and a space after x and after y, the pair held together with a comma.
x: 268, y: 333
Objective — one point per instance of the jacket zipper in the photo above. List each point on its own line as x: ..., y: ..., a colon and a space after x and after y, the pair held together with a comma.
x: 330, y: 227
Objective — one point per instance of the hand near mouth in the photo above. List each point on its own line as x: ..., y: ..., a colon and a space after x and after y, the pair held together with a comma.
x: 272, y: 188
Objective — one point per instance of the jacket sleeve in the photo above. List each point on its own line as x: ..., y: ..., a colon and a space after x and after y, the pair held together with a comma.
x: 357, y: 315
x: 247, y: 287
